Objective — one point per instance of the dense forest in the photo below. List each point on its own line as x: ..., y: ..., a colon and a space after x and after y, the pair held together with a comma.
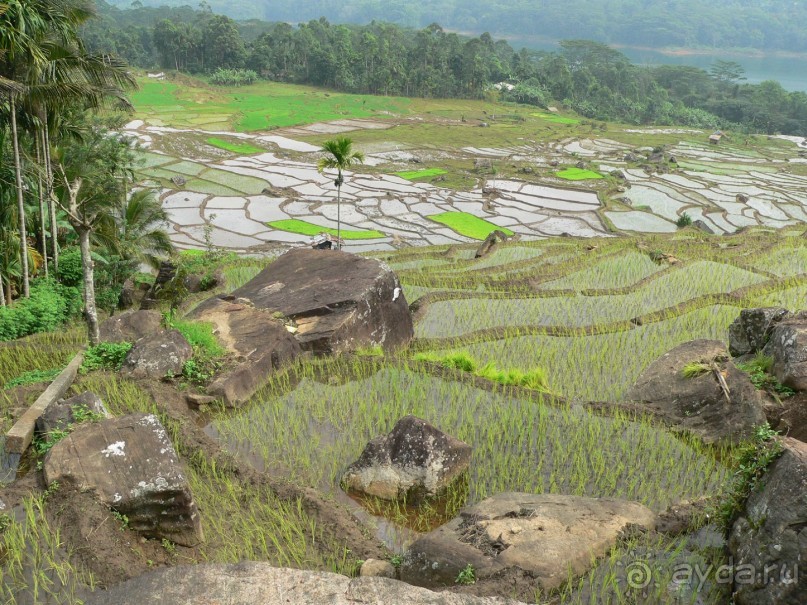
x: 762, y: 24
x: 381, y: 58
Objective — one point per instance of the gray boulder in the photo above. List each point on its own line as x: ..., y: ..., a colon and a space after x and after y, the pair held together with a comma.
x: 61, y: 413
x: 752, y: 329
x: 414, y: 459
x: 249, y: 583
x: 700, y: 404
x: 158, y: 355
x: 337, y: 301
x: 769, y: 540
x: 262, y: 343
x: 130, y: 326
x: 545, y: 535
x: 130, y: 465
x: 788, y: 347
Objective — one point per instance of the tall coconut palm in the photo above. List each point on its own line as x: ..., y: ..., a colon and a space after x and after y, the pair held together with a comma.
x: 340, y: 155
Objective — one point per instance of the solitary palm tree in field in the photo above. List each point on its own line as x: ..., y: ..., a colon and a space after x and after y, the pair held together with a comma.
x: 340, y: 156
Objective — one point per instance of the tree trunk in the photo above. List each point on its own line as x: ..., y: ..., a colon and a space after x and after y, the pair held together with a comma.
x: 41, y: 193
x: 54, y: 237
x: 2, y: 294
x: 90, y: 312
x: 339, y: 211
x: 20, y: 201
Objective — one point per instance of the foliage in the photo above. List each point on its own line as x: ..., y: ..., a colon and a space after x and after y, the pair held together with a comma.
x: 105, y: 356
x: 468, y: 225
x: 752, y: 460
x: 684, y: 220
x: 384, y: 59
x: 467, y: 575
x: 758, y: 370
x: 50, y: 305
x: 32, y: 377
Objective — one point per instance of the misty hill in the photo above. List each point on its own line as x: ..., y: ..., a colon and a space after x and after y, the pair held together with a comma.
x: 765, y: 25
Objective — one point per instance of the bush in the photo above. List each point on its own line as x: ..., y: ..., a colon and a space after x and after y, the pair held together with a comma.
x: 50, y: 305
x: 684, y: 220
x: 109, y: 275
x: 105, y: 356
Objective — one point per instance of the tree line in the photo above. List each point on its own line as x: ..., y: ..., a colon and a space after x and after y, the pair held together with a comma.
x: 381, y: 58
x: 66, y: 184
x: 768, y: 25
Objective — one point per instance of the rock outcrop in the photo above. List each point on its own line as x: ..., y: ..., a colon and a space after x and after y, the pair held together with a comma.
x: 544, y: 535
x: 130, y: 326
x: 769, y: 540
x: 130, y: 465
x: 720, y: 404
x: 752, y: 329
x: 415, y: 459
x: 788, y: 347
x: 336, y: 301
x: 262, y: 344
x: 62, y: 412
x: 158, y: 355
x: 251, y: 583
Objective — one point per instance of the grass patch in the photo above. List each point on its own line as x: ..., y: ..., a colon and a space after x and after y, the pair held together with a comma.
x: 305, y: 228
x: 242, y: 148
x: 413, y: 175
x: 468, y: 225
x: 105, y: 356
x: 578, y: 174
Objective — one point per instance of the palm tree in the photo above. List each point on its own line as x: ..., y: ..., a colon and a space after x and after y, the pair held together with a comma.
x: 134, y: 229
x: 340, y: 156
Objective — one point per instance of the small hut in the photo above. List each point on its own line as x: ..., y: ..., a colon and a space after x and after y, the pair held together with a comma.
x: 715, y: 137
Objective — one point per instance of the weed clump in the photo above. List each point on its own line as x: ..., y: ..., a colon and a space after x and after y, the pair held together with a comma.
x: 752, y: 459
x: 105, y: 356
x: 758, y: 370
x: 533, y: 379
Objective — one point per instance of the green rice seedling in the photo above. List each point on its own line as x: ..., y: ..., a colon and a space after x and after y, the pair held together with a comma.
x: 239, y: 148
x: 305, y: 228
x: 35, y: 564
x: 468, y: 225
x: 519, y: 445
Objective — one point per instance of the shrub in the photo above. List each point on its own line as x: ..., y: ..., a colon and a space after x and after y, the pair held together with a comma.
x: 758, y: 370
x: 49, y: 306
x: 105, y: 356
x: 684, y: 220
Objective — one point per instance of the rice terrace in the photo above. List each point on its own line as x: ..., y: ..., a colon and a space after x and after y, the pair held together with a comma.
x: 548, y: 263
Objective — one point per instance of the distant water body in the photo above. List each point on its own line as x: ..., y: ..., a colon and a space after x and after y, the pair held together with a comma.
x: 789, y: 71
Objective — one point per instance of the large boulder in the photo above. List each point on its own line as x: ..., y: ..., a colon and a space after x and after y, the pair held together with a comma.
x: 769, y: 540
x: 261, y: 342
x: 253, y: 583
x: 158, y: 355
x: 130, y: 465
x: 336, y: 300
x: 130, y: 326
x: 62, y: 412
x: 752, y: 329
x: 700, y: 404
x: 415, y: 459
x: 788, y: 347
x: 545, y: 535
